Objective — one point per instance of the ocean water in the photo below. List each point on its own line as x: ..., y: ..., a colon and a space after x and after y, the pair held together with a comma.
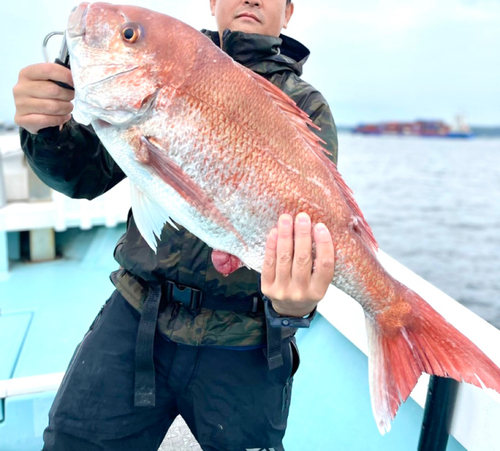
x: 433, y: 205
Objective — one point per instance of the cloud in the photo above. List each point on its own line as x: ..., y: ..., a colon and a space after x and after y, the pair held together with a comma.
x: 382, y: 60
x: 373, y: 60
x: 392, y: 18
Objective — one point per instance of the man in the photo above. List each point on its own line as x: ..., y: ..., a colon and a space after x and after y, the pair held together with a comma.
x: 220, y: 360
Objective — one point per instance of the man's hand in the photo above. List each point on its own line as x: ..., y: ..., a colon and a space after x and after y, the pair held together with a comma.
x: 39, y: 101
x: 290, y: 278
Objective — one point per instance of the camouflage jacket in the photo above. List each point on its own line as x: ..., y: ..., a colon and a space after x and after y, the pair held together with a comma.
x: 74, y: 162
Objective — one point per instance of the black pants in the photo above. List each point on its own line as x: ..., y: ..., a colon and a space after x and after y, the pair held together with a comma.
x: 229, y: 399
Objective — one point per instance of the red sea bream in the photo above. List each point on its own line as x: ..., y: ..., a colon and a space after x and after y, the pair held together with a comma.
x: 222, y: 152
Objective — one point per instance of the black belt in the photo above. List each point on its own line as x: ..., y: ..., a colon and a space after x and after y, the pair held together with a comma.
x: 195, y: 299
x: 145, y: 391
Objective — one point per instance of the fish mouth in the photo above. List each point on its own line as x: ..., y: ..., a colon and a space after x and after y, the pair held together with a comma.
x: 77, y: 22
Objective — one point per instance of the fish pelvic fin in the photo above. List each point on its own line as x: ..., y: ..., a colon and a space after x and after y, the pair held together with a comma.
x: 148, y: 216
x: 429, y: 344
x: 304, y: 125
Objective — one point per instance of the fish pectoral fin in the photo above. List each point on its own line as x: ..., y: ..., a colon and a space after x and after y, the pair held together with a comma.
x: 157, y: 159
x: 148, y: 216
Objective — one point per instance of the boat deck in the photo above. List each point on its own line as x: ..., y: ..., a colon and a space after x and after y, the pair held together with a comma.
x: 47, y: 307
x: 62, y: 297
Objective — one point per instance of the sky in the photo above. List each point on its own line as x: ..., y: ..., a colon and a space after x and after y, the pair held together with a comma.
x: 373, y: 60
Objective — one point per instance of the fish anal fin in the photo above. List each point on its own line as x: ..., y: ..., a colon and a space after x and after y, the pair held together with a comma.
x: 156, y: 158
x: 427, y: 344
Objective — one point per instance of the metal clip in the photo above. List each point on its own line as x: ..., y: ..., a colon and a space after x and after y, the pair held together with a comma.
x: 62, y: 59
x: 46, y: 41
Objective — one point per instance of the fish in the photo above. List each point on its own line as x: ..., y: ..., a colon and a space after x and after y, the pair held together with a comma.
x: 212, y: 146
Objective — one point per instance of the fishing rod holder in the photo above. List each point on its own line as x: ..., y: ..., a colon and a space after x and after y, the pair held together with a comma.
x: 438, y: 414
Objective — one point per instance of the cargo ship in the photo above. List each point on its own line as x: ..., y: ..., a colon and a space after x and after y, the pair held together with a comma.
x: 424, y: 128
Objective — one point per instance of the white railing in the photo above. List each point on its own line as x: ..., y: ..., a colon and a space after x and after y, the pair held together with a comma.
x: 30, y: 385
x: 59, y: 212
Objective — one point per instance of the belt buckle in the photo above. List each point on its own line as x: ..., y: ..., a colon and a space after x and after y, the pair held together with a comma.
x: 191, y: 298
x: 196, y: 299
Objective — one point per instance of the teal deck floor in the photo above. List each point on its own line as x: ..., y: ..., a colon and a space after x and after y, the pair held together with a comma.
x: 61, y: 297
x: 46, y: 308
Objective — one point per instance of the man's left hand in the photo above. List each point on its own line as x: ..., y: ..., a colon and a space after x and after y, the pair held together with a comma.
x: 291, y: 278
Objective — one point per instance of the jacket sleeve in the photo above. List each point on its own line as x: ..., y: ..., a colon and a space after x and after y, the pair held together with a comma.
x: 72, y: 161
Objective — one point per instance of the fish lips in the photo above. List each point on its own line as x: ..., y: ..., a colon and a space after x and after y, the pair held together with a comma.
x: 77, y: 22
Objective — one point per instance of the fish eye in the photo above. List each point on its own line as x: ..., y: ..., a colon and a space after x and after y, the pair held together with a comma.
x: 130, y: 33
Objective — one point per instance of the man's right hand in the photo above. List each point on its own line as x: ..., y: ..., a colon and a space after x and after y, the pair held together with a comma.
x: 40, y: 103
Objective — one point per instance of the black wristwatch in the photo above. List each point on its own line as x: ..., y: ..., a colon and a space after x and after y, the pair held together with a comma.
x: 275, y: 320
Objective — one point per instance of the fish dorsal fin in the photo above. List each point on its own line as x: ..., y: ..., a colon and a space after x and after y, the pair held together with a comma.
x: 148, y: 216
x: 304, y: 126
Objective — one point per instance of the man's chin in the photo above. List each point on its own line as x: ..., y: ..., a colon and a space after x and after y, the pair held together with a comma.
x: 247, y: 25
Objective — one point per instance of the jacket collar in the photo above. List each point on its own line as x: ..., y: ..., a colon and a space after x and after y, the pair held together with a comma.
x: 252, y: 50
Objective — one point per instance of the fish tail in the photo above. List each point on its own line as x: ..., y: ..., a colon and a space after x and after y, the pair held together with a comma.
x: 428, y: 344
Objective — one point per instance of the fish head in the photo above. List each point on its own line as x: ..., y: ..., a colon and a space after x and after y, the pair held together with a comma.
x: 121, y: 56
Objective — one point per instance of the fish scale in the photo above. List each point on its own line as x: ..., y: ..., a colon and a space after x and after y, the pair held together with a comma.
x: 223, y: 152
